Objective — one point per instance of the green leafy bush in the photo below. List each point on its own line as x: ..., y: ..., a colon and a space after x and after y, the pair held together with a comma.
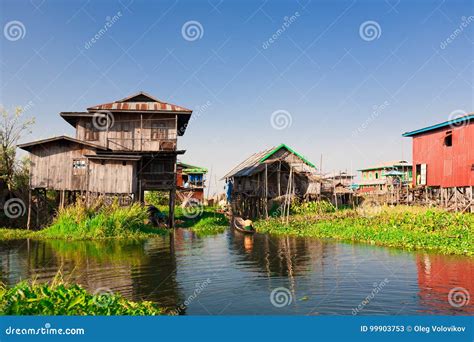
x: 59, y: 298
x: 402, y: 226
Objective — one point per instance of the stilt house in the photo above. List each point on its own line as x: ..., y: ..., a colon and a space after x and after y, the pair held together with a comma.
x: 262, y: 180
x: 443, y: 161
x: 120, y: 149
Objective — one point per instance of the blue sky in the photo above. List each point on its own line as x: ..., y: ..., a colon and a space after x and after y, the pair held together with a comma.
x: 341, y: 92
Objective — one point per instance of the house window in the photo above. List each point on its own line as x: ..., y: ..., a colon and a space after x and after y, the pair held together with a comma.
x: 376, y: 175
x: 448, y: 139
x: 78, y: 166
x: 159, y: 131
x: 91, y: 134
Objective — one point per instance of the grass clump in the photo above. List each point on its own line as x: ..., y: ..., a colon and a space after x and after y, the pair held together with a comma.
x: 78, y: 222
x: 14, y: 233
x: 59, y: 298
x: 207, y: 221
x: 403, y: 227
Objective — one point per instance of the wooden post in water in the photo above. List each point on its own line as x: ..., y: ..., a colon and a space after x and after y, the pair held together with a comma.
x: 28, y: 222
x: 266, y: 190
x: 171, y: 208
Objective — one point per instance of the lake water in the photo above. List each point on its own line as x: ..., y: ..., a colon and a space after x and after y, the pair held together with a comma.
x: 233, y: 274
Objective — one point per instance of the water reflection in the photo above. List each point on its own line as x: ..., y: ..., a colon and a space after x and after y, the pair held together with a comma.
x: 240, y: 271
x: 438, y: 275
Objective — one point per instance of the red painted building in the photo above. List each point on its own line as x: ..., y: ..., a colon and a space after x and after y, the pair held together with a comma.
x: 443, y: 154
x: 190, y: 181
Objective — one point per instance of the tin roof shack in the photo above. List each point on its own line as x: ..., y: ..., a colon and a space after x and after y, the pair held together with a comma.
x: 270, y: 177
x: 120, y: 149
x: 443, y: 160
x: 337, y: 188
x: 190, y: 182
x: 384, y: 177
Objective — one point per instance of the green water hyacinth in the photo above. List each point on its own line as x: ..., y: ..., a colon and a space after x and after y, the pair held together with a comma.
x: 78, y: 222
x: 411, y: 228
x: 59, y: 298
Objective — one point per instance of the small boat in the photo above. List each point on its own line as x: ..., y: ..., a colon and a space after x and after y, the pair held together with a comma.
x: 242, y: 226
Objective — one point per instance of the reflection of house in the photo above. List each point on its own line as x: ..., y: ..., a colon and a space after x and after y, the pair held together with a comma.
x: 438, y: 275
x: 121, y: 149
x: 190, y: 181
x: 270, y: 174
x: 381, y: 177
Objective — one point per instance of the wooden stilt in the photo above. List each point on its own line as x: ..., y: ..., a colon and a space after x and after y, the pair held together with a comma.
x: 266, y: 190
x: 171, y: 208
x: 37, y: 208
x: 28, y: 222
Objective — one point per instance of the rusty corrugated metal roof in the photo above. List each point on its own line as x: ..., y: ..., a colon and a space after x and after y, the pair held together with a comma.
x: 148, y: 103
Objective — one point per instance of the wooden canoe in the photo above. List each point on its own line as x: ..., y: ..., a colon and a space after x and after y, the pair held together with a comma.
x: 239, y: 224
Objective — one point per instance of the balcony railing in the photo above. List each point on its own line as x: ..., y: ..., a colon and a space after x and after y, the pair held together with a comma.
x: 141, y: 144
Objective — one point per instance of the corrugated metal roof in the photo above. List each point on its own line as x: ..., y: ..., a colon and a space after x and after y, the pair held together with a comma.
x: 386, y: 165
x: 455, y: 123
x: 150, y: 104
x: 27, y: 146
x: 254, y: 163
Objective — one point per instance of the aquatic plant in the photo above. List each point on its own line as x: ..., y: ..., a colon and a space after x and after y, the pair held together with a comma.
x: 59, y: 298
x: 79, y: 222
x: 402, y: 227
x: 208, y: 222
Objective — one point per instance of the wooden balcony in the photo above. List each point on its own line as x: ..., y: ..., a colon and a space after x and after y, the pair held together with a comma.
x: 141, y: 144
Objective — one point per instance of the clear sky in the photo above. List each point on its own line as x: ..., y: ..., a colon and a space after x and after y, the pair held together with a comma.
x: 341, y: 79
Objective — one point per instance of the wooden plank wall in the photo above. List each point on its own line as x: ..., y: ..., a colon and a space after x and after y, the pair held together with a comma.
x: 52, y: 166
x: 112, y: 176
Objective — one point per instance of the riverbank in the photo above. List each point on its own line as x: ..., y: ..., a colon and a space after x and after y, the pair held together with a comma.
x: 77, y: 222
x: 207, y: 221
x: 410, y: 228
x: 59, y: 298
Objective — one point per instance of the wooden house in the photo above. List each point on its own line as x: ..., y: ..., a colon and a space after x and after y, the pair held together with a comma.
x: 337, y: 187
x: 120, y: 149
x: 266, y: 177
x: 380, y: 178
x: 443, y: 160
x: 190, y: 182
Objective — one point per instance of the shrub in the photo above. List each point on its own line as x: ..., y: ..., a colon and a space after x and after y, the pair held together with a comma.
x: 59, y: 298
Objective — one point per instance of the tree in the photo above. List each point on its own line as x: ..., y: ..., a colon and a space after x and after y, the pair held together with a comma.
x: 12, y: 128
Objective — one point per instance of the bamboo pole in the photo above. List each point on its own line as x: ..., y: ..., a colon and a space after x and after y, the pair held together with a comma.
x: 266, y: 190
